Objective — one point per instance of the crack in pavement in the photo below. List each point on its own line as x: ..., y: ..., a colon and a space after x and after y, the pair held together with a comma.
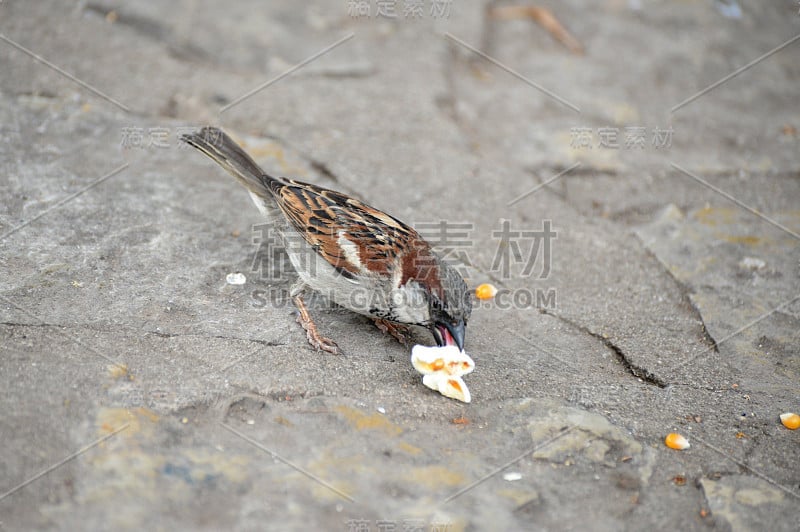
x: 450, y: 108
x: 160, y: 334
x: 637, y: 371
x: 641, y: 373
x: 685, y: 292
x: 152, y: 29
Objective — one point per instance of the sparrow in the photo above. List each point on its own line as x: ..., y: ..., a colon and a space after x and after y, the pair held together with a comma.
x: 356, y: 255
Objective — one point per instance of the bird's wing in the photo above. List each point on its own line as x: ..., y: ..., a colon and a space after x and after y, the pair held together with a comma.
x: 354, y: 237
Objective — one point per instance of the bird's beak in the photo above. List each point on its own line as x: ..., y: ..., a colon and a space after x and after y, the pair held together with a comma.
x: 449, y: 334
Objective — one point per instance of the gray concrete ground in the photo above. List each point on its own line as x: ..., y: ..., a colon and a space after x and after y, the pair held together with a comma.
x: 140, y: 390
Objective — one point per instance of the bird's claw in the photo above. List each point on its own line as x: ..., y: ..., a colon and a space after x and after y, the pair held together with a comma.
x: 399, y: 332
x: 317, y: 341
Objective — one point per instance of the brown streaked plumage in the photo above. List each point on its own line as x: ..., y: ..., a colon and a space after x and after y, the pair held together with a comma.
x: 347, y: 246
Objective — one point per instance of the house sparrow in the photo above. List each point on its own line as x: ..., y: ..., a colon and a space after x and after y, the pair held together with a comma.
x: 361, y: 258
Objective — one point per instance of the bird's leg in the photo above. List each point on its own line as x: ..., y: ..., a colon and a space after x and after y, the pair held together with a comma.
x: 399, y: 332
x: 316, y: 340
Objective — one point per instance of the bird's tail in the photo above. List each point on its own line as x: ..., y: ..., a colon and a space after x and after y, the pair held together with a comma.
x: 220, y: 147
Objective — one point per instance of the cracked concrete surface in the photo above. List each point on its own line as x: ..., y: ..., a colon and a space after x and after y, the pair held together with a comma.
x: 676, y: 309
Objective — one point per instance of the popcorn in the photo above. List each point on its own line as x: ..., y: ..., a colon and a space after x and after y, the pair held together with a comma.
x: 442, y: 369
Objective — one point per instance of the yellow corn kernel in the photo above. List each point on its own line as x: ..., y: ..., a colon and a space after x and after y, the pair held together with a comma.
x: 676, y: 441
x: 485, y: 291
x: 790, y: 420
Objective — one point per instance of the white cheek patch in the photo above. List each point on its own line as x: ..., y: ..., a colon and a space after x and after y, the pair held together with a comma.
x: 442, y: 369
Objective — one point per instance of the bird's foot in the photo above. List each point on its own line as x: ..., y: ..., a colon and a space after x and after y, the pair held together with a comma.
x: 316, y: 340
x: 399, y: 332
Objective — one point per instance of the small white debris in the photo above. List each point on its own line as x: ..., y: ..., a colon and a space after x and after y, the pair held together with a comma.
x: 751, y: 263
x: 511, y: 476
x: 381, y: 410
x: 251, y: 421
x: 236, y: 278
x: 729, y: 8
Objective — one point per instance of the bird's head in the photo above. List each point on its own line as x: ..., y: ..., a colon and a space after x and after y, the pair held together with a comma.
x: 449, y: 308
